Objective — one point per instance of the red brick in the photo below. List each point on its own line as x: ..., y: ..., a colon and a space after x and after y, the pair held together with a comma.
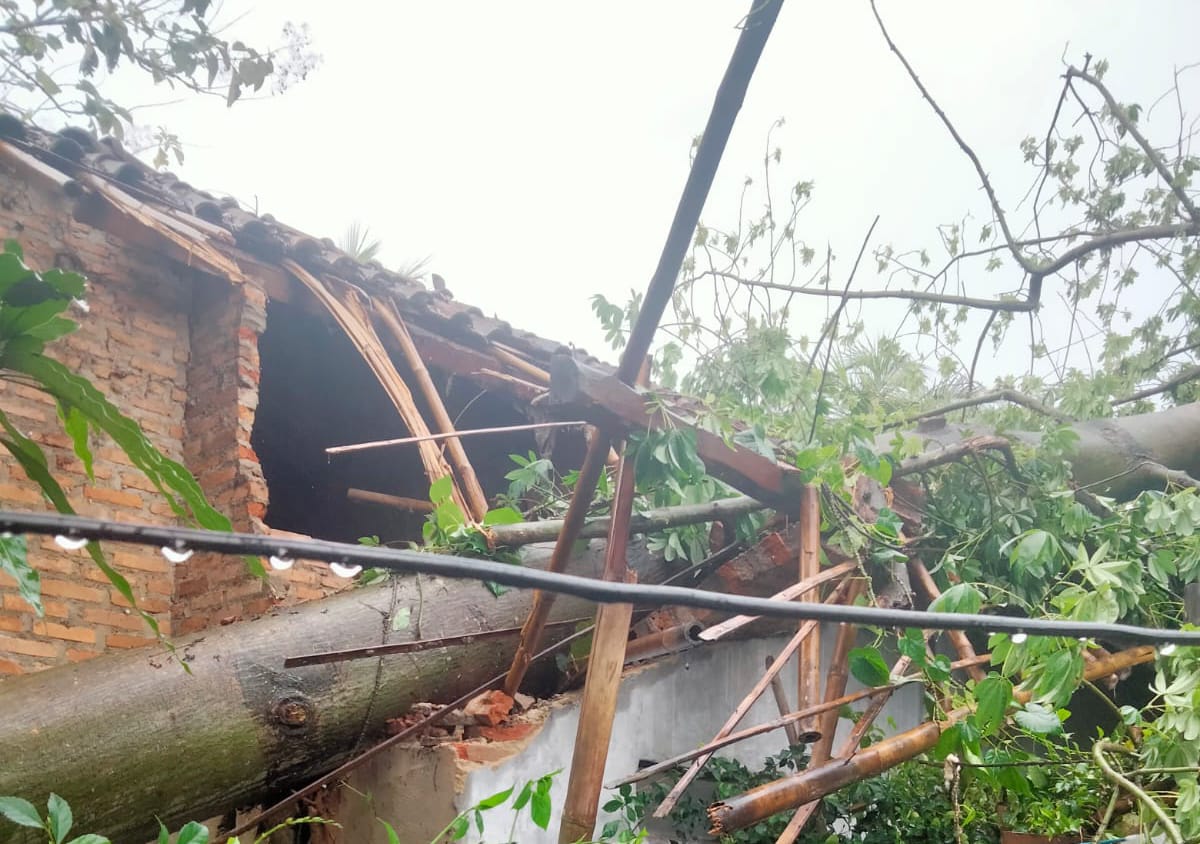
x: 21, y: 494
x: 508, y: 732
x: 12, y: 623
x: 122, y: 640
x: 114, y: 618
x: 54, y: 630
x: 76, y: 655
x: 72, y: 591
x: 113, y: 496
x: 7, y: 666
x: 29, y: 647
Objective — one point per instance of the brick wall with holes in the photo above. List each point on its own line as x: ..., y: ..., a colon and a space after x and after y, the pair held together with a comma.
x: 177, y: 352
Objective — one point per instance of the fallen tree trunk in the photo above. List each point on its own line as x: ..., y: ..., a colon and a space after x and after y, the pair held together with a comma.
x: 1116, y: 457
x: 127, y: 738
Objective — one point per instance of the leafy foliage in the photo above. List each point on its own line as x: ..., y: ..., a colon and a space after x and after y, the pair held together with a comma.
x: 58, y: 53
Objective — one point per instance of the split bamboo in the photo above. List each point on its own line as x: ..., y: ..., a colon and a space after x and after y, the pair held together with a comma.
x: 781, y: 703
x: 793, y: 645
x: 809, y: 674
x: 814, y: 783
x: 599, y: 703
x: 471, y: 488
x: 507, y: 356
x: 729, y: 626
x: 836, y: 679
x: 924, y: 581
x: 346, y: 309
x: 399, y: 502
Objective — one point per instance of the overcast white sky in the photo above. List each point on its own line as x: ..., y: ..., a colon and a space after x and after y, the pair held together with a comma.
x: 534, y: 151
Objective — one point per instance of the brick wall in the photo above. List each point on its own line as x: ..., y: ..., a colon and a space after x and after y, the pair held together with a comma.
x: 178, y: 352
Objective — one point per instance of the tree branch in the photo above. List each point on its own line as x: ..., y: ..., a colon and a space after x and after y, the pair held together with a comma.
x: 1182, y: 377
x: 1007, y: 395
x: 951, y: 453
x: 1119, y: 114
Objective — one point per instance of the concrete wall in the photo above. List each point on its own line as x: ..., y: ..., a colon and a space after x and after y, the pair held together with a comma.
x: 664, y: 709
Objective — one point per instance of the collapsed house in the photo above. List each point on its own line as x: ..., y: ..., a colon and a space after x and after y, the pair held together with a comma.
x: 247, y: 349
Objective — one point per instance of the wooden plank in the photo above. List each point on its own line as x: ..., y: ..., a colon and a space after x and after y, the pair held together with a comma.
x: 808, y: 690
x: 577, y: 388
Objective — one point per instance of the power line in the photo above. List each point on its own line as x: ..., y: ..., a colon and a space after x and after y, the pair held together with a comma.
x: 177, y: 540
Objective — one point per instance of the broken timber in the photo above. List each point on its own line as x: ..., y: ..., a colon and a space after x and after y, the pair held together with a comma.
x: 578, y: 388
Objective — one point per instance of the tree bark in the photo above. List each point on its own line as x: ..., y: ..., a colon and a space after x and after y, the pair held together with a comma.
x: 1116, y: 457
x: 125, y: 738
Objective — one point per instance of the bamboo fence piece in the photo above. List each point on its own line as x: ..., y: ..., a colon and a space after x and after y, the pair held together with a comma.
x: 471, y: 488
x: 958, y: 638
x: 399, y: 502
x: 599, y: 703
x: 781, y: 703
x: 814, y: 783
x: 793, y: 645
x: 347, y: 310
x: 729, y: 626
x: 808, y: 691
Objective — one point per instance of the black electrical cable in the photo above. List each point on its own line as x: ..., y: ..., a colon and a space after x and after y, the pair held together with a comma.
x: 179, y: 539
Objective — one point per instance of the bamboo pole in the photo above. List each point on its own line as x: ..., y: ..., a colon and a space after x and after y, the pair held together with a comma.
x: 399, y: 502
x: 729, y: 626
x: 348, y: 312
x: 958, y: 638
x: 452, y: 435
x: 471, y: 488
x: 539, y: 611
x: 599, y: 703
x: 526, y: 533
x: 835, y: 680
x: 781, y: 703
x: 793, y: 645
x: 507, y: 356
x: 809, y: 673
x: 814, y: 783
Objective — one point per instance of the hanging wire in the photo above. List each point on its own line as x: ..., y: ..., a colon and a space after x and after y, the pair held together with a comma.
x: 603, y: 592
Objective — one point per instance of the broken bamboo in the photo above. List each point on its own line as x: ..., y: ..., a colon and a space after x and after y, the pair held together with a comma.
x: 725, y: 628
x: 527, y: 533
x: 793, y: 645
x: 385, y: 309
x: 428, y: 438
x: 814, y: 783
x: 836, y: 679
x: 924, y: 580
x: 781, y: 703
x: 508, y: 356
x: 599, y: 703
x: 346, y: 309
x: 399, y: 502
x: 808, y: 690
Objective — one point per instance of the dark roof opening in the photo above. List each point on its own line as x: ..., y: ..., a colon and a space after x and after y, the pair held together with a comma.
x: 315, y: 392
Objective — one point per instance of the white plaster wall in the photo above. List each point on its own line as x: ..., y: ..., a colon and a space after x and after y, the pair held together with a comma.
x: 664, y: 709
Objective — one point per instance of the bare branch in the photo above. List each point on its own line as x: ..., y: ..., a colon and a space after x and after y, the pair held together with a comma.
x: 957, y: 451
x: 1184, y: 376
x: 1013, y: 396
x: 1026, y: 263
x: 1119, y: 114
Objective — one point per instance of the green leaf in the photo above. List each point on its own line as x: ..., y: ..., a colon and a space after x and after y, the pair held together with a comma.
x: 539, y: 806
x: 495, y: 800
x: 15, y: 564
x: 460, y: 827
x: 911, y: 644
x: 20, y: 812
x: 868, y: 667
x: 76, y: 426
x: 1038, y: 719
x: 58, y: 817
x: 502, y: 516
x: 90, y: 838
x: 392, y: 837
x: 192, y: 833
x: 523, y: 796
x: 171, y: 479
x: 441, y: 490
x: 401, y: 618
x: 961, y: 597
x: 992, y: 696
